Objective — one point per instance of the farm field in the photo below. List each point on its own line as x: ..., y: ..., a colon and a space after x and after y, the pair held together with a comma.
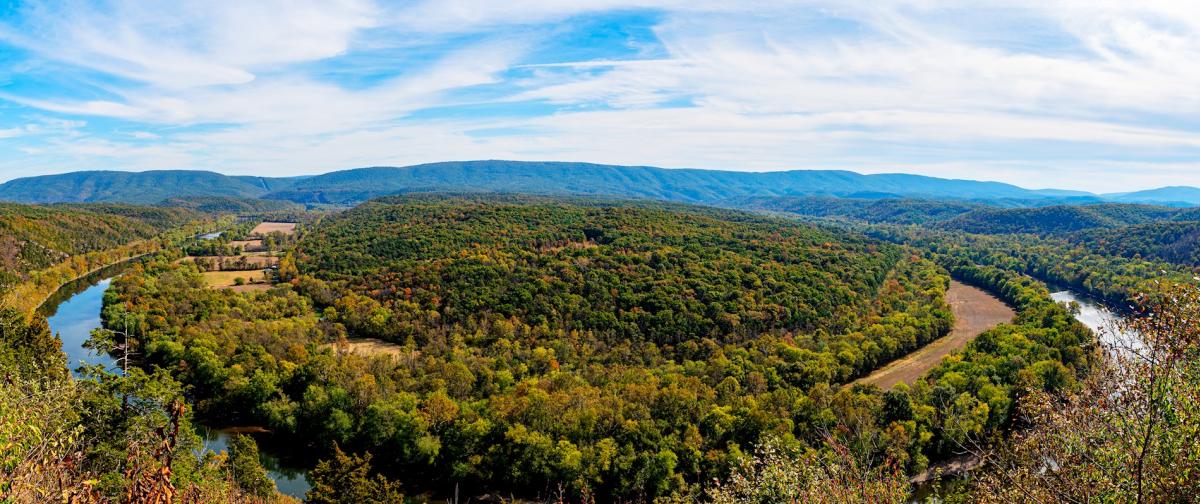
x: 655, y: 330
x: 975, y: 311
x: 223, y: 279
x: 369, y: 252
x: 270, y: 227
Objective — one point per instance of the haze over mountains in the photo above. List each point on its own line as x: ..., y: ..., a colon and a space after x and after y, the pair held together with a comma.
x: 682, y: 185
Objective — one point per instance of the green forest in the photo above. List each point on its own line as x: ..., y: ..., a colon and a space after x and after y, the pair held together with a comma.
x: 37, y: 237
x: 560, y: 349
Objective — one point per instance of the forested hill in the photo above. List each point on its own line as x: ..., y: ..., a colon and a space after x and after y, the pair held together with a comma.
x: 1174, y: 195
x: 227, y: 204
x: 683, y: 185
x: 1174, y: 242
x: 594, y: 266
x: 627, y: 350
x: 36, y: 237
x: 134, y: 187
x: 552, y: 178
x: 889, y: 211
x: 981, y: 218
x: 1060, y: 219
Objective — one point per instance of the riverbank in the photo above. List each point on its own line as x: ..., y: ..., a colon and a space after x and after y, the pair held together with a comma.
x: 975, y: 311
x: 74, y: 315
x: 29, y: 296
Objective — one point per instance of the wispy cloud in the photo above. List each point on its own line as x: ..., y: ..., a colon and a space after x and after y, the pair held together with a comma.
x: 1034, y: 93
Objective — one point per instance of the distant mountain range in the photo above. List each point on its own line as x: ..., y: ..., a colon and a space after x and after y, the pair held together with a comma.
x: 1163, y: 195
x: 135, y: 187
x: 683, y: 185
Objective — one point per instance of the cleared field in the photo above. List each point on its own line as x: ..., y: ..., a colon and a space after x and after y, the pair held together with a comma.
x: 370, y: 347
x: 247, y: 245
x: 222, y: 279
x: 268, y: 227
x: 975, y: 311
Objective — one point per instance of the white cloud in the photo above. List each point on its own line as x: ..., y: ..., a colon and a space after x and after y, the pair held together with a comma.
x: 187, y: 43
x: 1031, y: 92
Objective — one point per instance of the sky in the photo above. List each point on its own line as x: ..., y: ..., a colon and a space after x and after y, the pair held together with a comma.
x: 1094, y: 95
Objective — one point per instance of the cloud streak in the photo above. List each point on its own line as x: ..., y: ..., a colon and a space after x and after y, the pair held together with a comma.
x: 1032, y: 93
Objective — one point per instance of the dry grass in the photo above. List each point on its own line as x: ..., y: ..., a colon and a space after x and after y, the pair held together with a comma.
x: 267, y: 227
x: 370, y: 347
x: 247, y: 245
x: 975, y: 311
x: 223, y: 279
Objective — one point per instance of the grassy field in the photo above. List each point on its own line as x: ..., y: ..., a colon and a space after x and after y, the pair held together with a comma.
x: 267, y: 227
x: 370, y: 347
x: 975, y: 311
x: 222, y: 279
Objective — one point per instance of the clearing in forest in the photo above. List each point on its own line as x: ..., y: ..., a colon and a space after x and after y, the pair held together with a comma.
x: 370, y: 347
x: 223, y: 279
x: 975, y: 311
x: 268, y: 227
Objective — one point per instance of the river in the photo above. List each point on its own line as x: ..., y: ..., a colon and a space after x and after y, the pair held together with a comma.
x: 1096, y: 315
x: 74, y: 311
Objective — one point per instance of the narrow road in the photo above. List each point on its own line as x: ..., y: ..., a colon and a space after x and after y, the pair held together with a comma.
x: 975, y: 311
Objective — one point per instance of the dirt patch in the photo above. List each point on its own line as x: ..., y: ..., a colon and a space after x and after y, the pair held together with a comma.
x: 975, y: 311
x: 370, y: 347
x: 268, y: 227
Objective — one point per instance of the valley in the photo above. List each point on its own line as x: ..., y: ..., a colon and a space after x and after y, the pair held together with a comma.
x: 974, y: 310
x: 599, y: 252
x: 621, y: 349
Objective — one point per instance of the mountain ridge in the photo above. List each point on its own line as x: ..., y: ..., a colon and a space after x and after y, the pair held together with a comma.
x: 146, y: 187
x: 688, y: 185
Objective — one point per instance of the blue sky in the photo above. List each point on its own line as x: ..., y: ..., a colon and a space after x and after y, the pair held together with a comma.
x: 1095, y: 95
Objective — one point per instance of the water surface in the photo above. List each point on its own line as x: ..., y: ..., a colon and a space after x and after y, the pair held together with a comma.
x: 74, y: 319
x: 74, y: 312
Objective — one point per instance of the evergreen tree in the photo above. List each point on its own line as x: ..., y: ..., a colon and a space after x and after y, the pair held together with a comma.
x: 247, y: 472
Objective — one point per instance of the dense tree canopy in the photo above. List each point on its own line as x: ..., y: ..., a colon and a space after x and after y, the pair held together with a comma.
x: 618, y: 350
x: 594, y: 350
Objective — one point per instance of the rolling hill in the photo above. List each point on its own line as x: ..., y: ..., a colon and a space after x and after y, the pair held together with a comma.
x: 890, y: 211
x: 1058, y: 219
x: 1173, y: 195
x: 135, y: 187
x: 37, y: 237
x: 683, y: 185
x: 551, y: 178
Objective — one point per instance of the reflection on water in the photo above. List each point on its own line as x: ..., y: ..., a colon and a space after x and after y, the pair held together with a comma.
x: 74, y: 311
x: 1105, y: 322
x: 289, y: 480
x: 1092, y: 313
x: 74, y: 320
